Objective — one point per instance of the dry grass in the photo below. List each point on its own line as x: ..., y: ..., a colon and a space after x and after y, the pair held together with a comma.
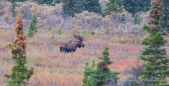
x: 53, y: 68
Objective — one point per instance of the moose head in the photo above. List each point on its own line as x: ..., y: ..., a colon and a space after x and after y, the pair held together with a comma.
x: 72, y: 45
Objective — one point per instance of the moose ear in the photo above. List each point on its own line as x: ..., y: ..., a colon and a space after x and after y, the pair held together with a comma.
x: 78, y: 37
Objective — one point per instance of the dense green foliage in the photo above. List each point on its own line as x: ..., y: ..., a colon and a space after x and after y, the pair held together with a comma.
x: 113, y: 6
x: 101, y: 75
x: 137, y: 19
x: 20, y: 73
x: 44, y: 1
x: 157, y: 68
x: 71, y: 7
x: 32, y: 27
x: 165, y: 17
x: 48, y: 2
x: 134, y: 6
x: 92, y: 6
x: 87, y: 71
x: 57, y: 1
x: 123, y: 18
x: 59, y: 31
x: 17, y: 0
x: 13, y: 8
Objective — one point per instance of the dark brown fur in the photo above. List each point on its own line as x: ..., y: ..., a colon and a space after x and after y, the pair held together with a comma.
x: 72, y: 45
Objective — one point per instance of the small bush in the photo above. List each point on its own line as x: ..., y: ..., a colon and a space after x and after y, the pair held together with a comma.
x: 59, y: 31
x: 137, y: 19
x: 32, y: 27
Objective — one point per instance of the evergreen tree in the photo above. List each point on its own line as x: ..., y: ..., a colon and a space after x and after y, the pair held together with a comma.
x: 71, y: 7
x: 32, y: 27
x: 165, y: 17
x: 157, y: 68
x: 107, y: 31
x: 123, y: 18
x: 134, y: 6
x: 17, y: 0
x: 113, y: 6
x: 86, y: 74
x: 87, y: 71
x: 57, y: 1
x: 92, y: 6
x: 20, y: 73
x: 34, y: 23
x: 59, y: 31
x: 13, y: 8
x: 48, y: 2
x: 101, y: 75
x: 137, y: 19
x: 30, y: 33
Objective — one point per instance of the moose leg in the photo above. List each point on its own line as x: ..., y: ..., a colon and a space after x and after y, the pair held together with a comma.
x: 74, y: 50
x: 68, y: 50
x: 61, y: 49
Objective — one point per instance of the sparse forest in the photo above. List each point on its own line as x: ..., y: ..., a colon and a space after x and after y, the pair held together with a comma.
x: 84, y: 43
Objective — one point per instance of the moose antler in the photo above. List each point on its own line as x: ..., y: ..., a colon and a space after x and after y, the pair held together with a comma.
x: 78, y: 37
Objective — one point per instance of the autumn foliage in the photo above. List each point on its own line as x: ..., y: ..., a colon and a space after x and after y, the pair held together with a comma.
x: 19, y: 72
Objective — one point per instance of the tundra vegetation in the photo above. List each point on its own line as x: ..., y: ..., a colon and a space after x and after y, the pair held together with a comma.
x: 99, y: 22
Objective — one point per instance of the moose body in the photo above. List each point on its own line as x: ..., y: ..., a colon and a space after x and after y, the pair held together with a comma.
x: 72, y: 45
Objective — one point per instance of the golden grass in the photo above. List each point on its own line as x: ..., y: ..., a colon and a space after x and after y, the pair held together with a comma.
x: 52, y: 67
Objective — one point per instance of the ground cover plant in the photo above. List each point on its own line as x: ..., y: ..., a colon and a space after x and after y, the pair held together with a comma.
x: 48, y: 28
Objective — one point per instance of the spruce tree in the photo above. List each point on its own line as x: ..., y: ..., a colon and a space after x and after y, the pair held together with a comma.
x: 59, y: 31
x: 165, y: 17
x: 30, y: 33
x: 87, y: 71
x: 32, y: 27
x: 34, y: 24
x: 13, y: 8
x: 123, y: 18
x: 71, y: 7
x: 57, y: 1
x: 134, y: 6
x: 101, y: 75
x: 92, y: 6
x: 157, y: 64
x: 113, y: 6
x: 20, y: 73
x: 137, y: 19
x: 48, y: 2
x: 17, y: 0
x: 86, y: 74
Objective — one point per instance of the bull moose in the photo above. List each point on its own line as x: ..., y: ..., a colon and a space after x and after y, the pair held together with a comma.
x: 72, y: 45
